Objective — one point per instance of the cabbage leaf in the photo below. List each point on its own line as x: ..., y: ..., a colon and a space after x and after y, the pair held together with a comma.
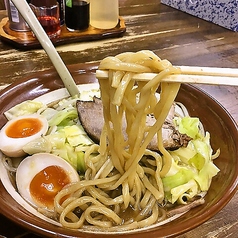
x: 65, y: 137
x: 25, y: 108
x: 188, y: 125
x: 192, y: 167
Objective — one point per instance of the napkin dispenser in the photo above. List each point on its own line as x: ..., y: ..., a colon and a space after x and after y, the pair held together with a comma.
x: 220, y: 12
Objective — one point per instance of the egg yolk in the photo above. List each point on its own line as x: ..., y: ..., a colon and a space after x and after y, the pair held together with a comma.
x: 47, y: 183
x: 24, y: 128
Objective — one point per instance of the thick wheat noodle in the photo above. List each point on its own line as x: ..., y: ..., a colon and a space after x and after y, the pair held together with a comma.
x: 115, y: 64
x: 126, y: 193
x: 103, y: 197
x: 105, y: 169
x: 117, y: 176
x: 102, y: 210
x: 139, y: 150
x: 145, y: 199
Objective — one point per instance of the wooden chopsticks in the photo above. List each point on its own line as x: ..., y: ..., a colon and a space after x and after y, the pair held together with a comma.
x: 191, y: 74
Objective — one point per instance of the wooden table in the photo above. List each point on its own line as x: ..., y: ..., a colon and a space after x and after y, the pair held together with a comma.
x: 174, y: 35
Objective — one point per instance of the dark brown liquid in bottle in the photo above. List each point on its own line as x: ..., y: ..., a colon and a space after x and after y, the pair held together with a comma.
x: 61, y: 8
x: 77, y: 16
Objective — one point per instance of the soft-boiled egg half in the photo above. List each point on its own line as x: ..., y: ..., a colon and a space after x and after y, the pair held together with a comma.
x: 41, y: 176
x: 19, y: 131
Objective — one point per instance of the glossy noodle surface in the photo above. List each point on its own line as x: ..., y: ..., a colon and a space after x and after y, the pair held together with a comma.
x: 122, y: 176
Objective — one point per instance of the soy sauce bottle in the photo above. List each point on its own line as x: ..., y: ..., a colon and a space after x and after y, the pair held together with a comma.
x: 61, y: 6
x: 77, y: 14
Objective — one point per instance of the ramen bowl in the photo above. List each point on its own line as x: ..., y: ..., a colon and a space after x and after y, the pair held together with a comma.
x: 213, y: 116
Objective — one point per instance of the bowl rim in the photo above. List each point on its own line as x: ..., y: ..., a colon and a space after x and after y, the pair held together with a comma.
x: 89, y: 70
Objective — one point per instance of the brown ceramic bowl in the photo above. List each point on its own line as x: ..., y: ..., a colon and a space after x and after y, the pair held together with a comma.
x: 214, y: 117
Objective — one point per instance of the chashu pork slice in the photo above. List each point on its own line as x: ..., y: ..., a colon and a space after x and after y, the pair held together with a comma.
x: 91, y: 117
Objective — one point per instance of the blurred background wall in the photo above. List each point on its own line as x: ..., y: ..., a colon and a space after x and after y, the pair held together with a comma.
x: 2, y: 5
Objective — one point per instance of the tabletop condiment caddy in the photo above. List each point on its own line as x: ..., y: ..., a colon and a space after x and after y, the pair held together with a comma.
x: 76, y: 15
x: 99, y: 19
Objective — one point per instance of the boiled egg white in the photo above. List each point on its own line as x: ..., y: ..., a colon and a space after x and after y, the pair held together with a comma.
x: 19, y: 131
x: 41, y: 176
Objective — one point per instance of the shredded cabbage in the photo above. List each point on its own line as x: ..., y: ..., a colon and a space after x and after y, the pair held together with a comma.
x: 25, y: 108
x: 188, y: 125
x: 65, y: 137
x: 192, y: 167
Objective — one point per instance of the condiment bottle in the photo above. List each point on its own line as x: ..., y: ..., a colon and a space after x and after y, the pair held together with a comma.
x: 77, y: 14
x: 104, y: 14
x: 16, y: 21
x: 47, y: 13
x: 61, y: 6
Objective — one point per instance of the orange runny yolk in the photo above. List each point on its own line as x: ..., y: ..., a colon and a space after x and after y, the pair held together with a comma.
x: 24, y: 128
x: 47, y: 183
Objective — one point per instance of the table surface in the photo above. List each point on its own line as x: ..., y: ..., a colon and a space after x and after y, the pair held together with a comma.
x: 172, y: 34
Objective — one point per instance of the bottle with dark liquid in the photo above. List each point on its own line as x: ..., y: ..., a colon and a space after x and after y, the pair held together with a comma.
x: 77, y: 14
x: 61, y: 8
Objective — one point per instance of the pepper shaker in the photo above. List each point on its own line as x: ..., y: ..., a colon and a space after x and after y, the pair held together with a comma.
x: 16, y: 21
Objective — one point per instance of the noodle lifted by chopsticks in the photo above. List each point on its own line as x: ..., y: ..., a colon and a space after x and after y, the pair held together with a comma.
x: 122, y: 175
